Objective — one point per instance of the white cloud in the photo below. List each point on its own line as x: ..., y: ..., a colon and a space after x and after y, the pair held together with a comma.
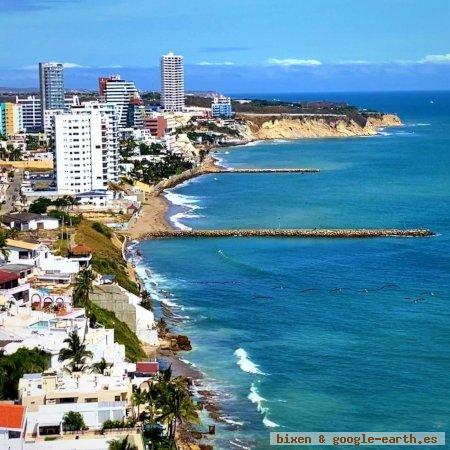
x: 293, y: 62
x: 440, y: 59
x: 69, y: 65
x: 356, y: 62
x: 210, y: 63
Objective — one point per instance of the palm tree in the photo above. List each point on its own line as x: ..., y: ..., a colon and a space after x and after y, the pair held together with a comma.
x: 101, y: 366
x: 177, y: 406
x: 83, y: 287
x: 76, y: 352
x: 121, y: 444
x: 138, y: 398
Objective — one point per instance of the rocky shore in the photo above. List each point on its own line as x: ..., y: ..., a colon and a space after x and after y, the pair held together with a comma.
x: 152, y: 223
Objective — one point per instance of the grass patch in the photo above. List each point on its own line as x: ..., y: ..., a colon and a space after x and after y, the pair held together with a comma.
x: 107, y: 258
x: 103, y: 229
x: 122, y: 332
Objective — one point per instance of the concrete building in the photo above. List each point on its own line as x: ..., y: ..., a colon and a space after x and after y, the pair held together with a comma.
x: 122, y: 94
x: 14, y: 288
x: 77, y: 146
x: 86, y: 148
x: 221, y: 107
x: 51, y: 83
x: 31, y: 112
x: 157, y: 124
x: 172, y: 82
x: 3, y: 119
x: 11, y: 119
x: 12, y: 422
x: 50, y: 395
x: 30, y: 221
x: 110, y: 119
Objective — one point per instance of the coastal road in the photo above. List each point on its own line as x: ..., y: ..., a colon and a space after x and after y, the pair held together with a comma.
x: 13, y: 191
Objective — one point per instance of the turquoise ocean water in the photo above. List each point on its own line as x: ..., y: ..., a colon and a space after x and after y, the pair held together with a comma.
x: 320, y: 335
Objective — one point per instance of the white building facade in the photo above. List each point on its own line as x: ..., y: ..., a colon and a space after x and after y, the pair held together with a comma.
x: 121, y: 94
x: 172, y: 82
x: 31, y: 112
x: 86, y: 148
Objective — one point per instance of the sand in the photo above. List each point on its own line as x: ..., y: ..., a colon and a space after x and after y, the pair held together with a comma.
x: 152, y: 216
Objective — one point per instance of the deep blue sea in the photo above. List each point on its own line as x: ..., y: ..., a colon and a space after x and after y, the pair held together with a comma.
x: 321, y: 335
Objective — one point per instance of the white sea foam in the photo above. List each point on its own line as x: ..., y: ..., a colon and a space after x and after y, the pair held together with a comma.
x: 188, y: 362
x: 418, y: 124
x: 175, y: 219
x: 232, y: 421
x: 189, y: 201
x: 256, y: 399
x: 245, y: 363
x: 239, y: 445
x: 384, y: 133
x: 269, y: 424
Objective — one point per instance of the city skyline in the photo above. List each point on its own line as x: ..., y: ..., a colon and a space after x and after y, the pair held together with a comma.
x: 325, y: 46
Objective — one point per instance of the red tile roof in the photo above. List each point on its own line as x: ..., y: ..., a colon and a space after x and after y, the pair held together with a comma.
x: 7, y: 276
x: 147, y: 367
x: 12, y: 417
x: 80, y: 249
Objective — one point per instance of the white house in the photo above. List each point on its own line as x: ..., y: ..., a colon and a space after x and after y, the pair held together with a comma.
x: 30, y: 221
x: 50, y: 395
x: 40, y: 256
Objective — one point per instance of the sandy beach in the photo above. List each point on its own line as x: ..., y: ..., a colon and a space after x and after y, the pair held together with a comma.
x: 152, y: 215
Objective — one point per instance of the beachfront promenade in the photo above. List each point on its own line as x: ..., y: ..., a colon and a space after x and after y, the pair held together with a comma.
x: 293, y: 232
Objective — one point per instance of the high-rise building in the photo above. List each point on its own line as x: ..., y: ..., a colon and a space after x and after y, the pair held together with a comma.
x: 86, y: 147
x: 172, y: 82
x: 221, y: 107
x: 11, y: 119
x: 123, y: 94
x: 3, y: 119
x: 51, y: 82
x: 32, y: 114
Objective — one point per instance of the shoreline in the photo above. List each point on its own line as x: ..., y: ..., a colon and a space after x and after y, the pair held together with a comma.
x: 153, y: 216
x: 153, y: 213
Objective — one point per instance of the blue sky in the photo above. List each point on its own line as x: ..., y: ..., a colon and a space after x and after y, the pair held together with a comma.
x: 233, y: 45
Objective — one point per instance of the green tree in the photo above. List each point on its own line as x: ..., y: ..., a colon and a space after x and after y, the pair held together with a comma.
x: 4, y: 252
x: 101, y: 366
x: 73, y: 421
x: 138, y: 398
x: 14, y: 366
x: 40, y: 205
x: 83, y: 288
x: 32, y: 142
x: 176, y: 406
x: 121, y: 444
x: 75, y: 352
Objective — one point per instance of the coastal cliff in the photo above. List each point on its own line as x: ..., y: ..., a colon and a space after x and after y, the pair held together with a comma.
x: 263, y: 127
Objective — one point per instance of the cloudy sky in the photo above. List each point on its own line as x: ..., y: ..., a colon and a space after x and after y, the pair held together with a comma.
x: 234, y: 46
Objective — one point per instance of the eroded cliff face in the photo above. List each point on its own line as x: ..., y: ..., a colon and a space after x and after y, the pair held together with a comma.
x: 269, y: 127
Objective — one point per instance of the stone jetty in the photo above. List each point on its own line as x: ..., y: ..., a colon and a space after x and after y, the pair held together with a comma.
x: 293, y: 232
x: 262, y: 170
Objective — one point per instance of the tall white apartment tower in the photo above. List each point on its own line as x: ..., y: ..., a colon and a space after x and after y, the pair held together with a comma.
x: 51, y: 83
x: 172, y: 82
x: 86, y: 147
x: 120, y: 93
